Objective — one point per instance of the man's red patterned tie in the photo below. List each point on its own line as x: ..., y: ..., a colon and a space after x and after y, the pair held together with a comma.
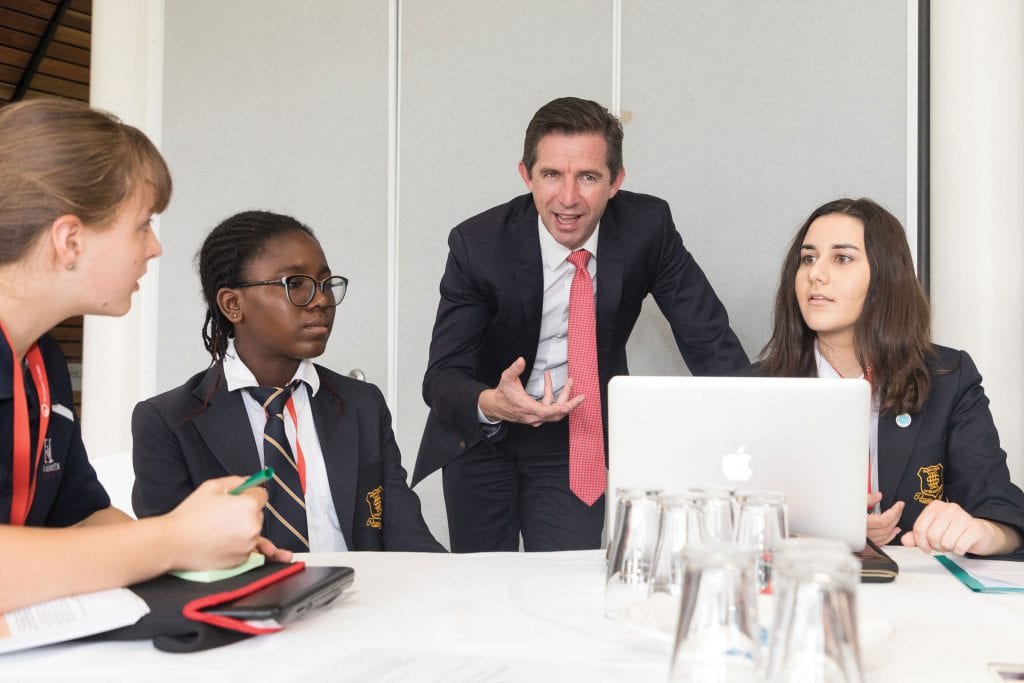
x: 587, y: 475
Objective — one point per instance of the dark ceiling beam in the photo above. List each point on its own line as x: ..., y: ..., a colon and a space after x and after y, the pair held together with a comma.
x: 40, y: 51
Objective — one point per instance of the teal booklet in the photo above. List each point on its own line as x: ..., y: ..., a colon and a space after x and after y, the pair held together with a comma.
x: 986, y: 576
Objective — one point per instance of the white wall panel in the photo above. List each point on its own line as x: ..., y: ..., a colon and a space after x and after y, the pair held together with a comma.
x: 283, y: 107
x: 746, y: 116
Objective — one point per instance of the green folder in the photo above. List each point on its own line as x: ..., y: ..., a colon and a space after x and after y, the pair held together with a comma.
x: 972, y: 582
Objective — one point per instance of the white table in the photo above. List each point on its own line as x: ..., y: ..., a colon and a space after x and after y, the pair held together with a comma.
x: 539, y: 618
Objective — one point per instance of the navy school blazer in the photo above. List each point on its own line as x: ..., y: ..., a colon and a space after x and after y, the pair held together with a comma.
x: 949, y: 450
x: 200, y: 431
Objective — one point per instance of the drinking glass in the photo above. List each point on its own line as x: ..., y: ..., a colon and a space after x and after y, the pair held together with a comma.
x: 717, y: 635
x: 630, y: 559
x: 622, y: 494
x: 762, y: 524
x: 814, y: 638
x: 719, y: 512
x: 681, y: 526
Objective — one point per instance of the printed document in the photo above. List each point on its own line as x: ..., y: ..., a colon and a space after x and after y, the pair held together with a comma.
x: 75, y: 616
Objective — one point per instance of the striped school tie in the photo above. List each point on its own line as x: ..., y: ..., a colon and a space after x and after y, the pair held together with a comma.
x: 285, y: 520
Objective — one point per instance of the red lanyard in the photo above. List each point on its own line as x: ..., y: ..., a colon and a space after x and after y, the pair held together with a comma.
x: 24, y: 467
x: 871, y: 384
x: 300, y: 460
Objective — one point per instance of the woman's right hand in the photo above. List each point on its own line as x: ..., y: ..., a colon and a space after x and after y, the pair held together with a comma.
x: 882, y: 528
x: 212, y: 528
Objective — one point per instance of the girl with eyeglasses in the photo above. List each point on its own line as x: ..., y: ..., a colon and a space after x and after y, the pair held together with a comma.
x: 339, y: 483
x: 77, y: 192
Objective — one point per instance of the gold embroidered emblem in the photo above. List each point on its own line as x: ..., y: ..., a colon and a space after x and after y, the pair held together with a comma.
x: 931, y: 484
x: 375, y: 499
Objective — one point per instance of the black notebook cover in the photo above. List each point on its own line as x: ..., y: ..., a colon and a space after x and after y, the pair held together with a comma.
x: 875, y: 565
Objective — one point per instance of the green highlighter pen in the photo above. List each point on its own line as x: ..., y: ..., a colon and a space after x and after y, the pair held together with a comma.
x: 266, y: 474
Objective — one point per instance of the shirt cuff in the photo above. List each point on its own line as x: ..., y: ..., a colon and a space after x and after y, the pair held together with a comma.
x: 488, y: 427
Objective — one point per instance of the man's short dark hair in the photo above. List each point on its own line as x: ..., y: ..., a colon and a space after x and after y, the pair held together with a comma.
x: 574, y: 116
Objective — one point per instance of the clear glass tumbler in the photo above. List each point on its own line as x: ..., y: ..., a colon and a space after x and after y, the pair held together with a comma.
x: 720, y: 510
x: 762, y: 524
x: 717, y: 635
x: 622, y: 494
x: 681, y: 526
x: 814, y: 637
x: 632, y: 552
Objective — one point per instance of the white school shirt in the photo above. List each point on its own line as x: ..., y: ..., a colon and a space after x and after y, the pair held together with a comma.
x: 825, y: 369
x: 321, y: 518
x: 553, y: 343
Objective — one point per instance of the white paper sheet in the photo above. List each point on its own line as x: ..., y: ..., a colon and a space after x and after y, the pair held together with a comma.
x: 993, y: 573
x: 75, y: 616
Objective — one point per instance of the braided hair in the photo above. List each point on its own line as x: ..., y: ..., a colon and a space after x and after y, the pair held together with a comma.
x: 222, y: 260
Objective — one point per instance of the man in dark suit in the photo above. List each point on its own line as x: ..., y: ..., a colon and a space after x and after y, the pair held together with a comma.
x: 501, y: 376
x: 201, y: 431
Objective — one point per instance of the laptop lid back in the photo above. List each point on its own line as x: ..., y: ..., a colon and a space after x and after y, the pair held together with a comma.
x: 805, y: 437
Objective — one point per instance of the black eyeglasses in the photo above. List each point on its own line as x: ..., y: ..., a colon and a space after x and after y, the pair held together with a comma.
x: 300, y: 289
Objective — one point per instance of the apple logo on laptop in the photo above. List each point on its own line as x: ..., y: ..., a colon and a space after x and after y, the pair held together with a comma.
x: 736, y: 466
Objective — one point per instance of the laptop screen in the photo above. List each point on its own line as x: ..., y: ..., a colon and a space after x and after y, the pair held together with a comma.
x: 807, y: 438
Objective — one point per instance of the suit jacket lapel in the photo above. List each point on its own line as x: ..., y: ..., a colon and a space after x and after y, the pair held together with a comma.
x: 337, y: 426
x: 224, y: 425
x: 525, y: 249
x: 610, y: 271
x: 895, y: 444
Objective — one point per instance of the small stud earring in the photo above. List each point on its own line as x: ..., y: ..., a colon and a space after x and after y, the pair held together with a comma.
x: 71, y: 266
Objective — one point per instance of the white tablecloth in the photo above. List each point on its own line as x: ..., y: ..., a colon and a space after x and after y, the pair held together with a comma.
x: 532, y: 617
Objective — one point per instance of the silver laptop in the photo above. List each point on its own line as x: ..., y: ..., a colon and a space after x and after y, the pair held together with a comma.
x: 805, y: 437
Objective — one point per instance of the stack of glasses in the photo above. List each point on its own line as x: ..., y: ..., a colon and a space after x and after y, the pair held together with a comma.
x: 745, y: 603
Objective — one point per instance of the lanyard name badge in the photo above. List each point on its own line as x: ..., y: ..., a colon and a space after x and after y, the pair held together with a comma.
x: 24, y: 467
